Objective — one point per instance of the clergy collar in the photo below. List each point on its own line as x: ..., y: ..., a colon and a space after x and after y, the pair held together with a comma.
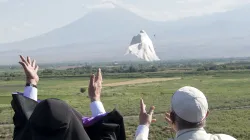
x: 184, y: 131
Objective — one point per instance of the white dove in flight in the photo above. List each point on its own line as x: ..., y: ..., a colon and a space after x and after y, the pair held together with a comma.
x: 142, y: 47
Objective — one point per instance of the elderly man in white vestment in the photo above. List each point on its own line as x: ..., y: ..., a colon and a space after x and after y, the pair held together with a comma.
x: 189, y: 110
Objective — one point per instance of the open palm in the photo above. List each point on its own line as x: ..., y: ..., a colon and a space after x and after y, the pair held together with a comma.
x: 30, y: 69
x: 95, y: 86
x: 144, y: 117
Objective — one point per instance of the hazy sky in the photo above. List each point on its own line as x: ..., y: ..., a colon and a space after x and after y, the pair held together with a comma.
x: 20, y: 19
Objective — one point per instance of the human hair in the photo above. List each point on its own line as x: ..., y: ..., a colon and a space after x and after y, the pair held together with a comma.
x: 183, y: 124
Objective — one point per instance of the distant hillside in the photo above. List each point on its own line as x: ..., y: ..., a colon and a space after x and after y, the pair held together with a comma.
x: 104, y: 34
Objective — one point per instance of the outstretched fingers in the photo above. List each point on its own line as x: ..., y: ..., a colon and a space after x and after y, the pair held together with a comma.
x: 23, y: 60
x: 142, y: 106
x: 92, y: 80
x: 151, y: 110
x: 36, y: 68
x: 100, y: 75
x: 23, y: 65
x: 167, y: 118
x: 153, y: 120
x: 28, y: 60
x: 33, y: 64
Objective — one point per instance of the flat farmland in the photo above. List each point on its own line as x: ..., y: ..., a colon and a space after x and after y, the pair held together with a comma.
x: 228, y: 96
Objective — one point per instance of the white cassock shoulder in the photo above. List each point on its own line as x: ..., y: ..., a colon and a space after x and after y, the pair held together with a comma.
x: 142, y: 47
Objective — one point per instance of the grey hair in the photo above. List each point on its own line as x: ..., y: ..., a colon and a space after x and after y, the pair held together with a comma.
x: 182, y: 124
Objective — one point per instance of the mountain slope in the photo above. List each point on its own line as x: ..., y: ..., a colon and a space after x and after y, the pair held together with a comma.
x: 104, y: 34
x: 97, y: 26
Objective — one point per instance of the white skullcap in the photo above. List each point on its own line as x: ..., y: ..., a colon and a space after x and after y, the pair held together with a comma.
x: 190, y: 104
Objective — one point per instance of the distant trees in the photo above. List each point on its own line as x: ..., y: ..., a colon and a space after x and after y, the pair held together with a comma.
x: 128, y: 70
x: 47, y: 72
x: 110, y: 69
x: 223, y: 67
x: 132, y: 69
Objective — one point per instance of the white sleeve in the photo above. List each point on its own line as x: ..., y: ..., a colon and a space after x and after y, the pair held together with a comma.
x: 97, y: 108
x: 226, y: 137
x: 30, y: 92
x: 142, y: 132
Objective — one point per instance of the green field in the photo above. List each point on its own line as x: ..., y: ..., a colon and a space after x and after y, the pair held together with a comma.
x: 225, y: 91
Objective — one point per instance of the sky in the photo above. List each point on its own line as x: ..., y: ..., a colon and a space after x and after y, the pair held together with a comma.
x: 21, y: 19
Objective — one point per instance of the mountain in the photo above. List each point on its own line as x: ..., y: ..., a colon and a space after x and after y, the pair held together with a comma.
x: 100, y: 25
x: 104, y: 34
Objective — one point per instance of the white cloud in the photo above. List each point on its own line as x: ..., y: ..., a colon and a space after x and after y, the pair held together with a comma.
x: 21, y: 27
x: 27, y: 18
x: 15, y: 28
x: 36, y: 17
x: 21, y: 4
x: 110, y: 1
x: 4, y: 1
x: 174, y: 10
x: 27, y: 24
x: 102, y: 5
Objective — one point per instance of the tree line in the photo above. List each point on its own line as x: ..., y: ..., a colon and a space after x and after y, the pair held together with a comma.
x: 223, y: 67
x: 130, y: 70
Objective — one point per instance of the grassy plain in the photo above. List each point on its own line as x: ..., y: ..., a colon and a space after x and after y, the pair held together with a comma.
x: 223, y: 90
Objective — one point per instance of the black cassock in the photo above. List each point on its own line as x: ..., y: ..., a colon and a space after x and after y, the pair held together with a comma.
x: 53, y: 119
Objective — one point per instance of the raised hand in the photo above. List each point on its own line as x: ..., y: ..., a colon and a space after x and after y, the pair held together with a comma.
x: 30, y: 69
x: 171, y: 127
x: 95, y: 86
x: 144, y: 117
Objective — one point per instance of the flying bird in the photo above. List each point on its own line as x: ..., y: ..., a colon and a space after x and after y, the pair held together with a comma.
x: 142, y: 47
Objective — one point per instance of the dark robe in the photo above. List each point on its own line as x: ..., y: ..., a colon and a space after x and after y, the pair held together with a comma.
x: 109, y: 127
x: 54, y: 119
